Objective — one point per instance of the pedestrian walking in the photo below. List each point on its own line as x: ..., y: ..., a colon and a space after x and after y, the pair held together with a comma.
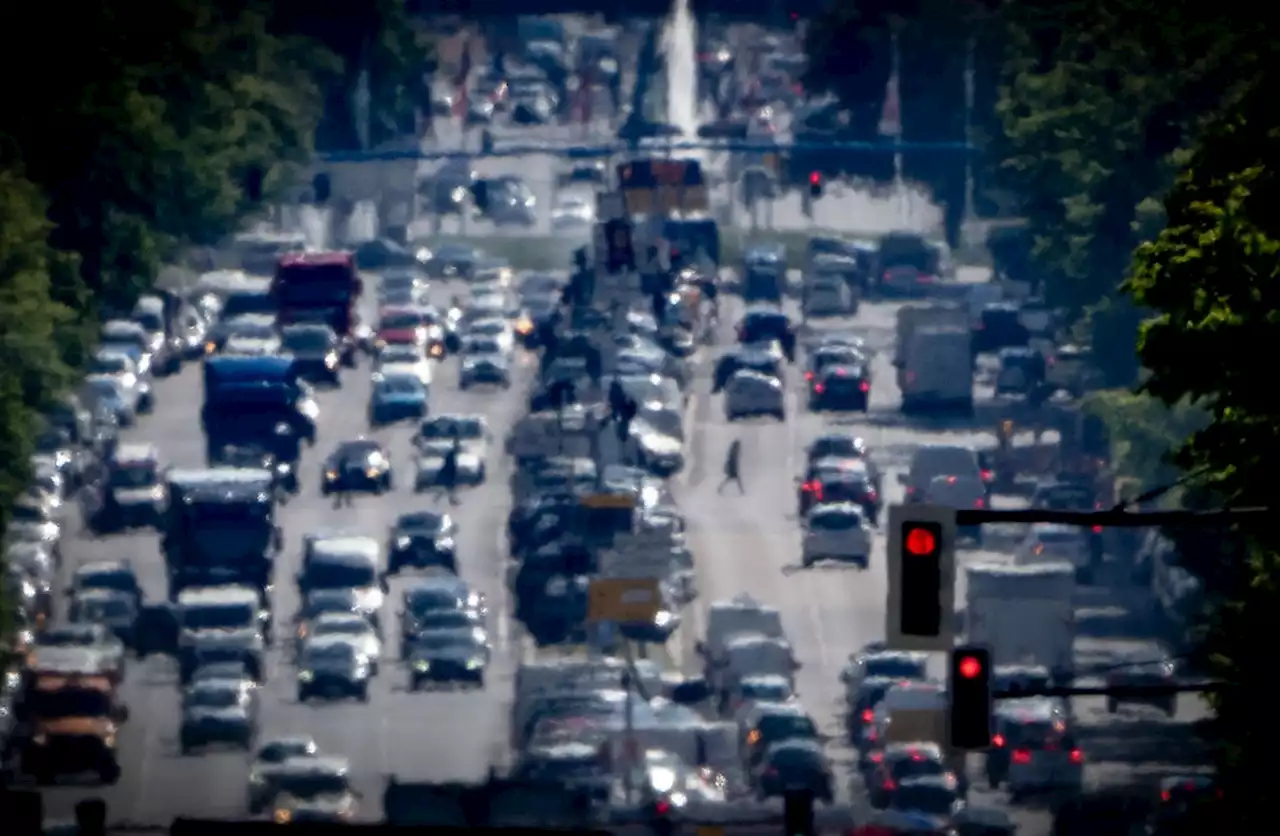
x: 733, y: 469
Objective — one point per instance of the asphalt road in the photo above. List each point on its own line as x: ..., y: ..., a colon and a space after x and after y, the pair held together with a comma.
x: 750, y: 543
x: 435, y: 736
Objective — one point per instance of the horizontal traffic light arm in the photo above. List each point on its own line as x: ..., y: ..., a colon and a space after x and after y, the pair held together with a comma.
x: 1155, y: 689
x: 1113, y: 519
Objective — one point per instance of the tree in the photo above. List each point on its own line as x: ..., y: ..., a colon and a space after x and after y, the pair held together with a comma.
x: 1097, y: 100
x: 1212, y: 281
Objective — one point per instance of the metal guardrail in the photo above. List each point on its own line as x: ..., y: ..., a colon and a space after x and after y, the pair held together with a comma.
x: 604, y: 151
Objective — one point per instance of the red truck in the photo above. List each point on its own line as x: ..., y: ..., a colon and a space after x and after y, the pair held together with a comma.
x: 320, y: 287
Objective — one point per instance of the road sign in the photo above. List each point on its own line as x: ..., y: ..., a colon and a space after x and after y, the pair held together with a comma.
x: 624, y: 600
x: 619, y: 501
x: 922, y: 578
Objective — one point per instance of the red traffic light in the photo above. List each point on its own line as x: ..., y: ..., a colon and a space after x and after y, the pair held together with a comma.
x: 815, y: 178
x: 662, y: 807
x: 920, y: 542
x: 970, y: 668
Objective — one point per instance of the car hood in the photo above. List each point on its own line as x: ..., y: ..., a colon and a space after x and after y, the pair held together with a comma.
x: 200, y: 639
x: 446, y: 654
x: 339, y: 669
x: 222, y: 715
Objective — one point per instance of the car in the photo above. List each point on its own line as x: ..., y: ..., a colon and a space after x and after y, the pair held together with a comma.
x: 217, y: 711
x: 121, y: 366
x: 498, y: 328
x: 422, y: 539
x: 117, y: 611
x: 237, y: 672
x: 403, y: 326
x: 403, y: 359
x: 794, y: 763
x: 112, y: 394
x: 750, y: 393
x: 106, y: 650
x: 841, y: 388
x: 333, y: 667
x: 109, y: 576
x: 316, y: 351
x: 441, y: 602
x: 348, y: 564
x: 1138, y: 670
x: 360, y: 465
x: 352, y: 625
x: 277, y: 757
x: 402, y: 283
x: 452, y: 261
x: 490, y: 368
x: 447, y: 657
x: 438, y: 434
x: 836, y: 479
x: 396, y: 396
x: 836, y: 531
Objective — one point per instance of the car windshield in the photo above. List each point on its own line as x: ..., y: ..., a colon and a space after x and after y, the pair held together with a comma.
x: 359, y: 451
x: 400, y: 384
x: 218, y: 616
x: 400, y: 319
x: 104, y: 609
x: 481, y: 345
x: 279, y: 751
x: 445, y: 619
x: 451, y: 428
x: 834, y: 521
x: 766, y: 691
x: 312, y: 784
x: 251, y: 330
x: 134, y: 475
x: 104, y: 388
x: 895, y: 667
x: 399, y: 354
x: 445, y: 641
x: 335, y: 652
x: 341, y: 627
x: 306, y: 339
x: 71, y: 702
x: 111, y: 364
x: 212, y: 698
x: 340, y: 575
x: 421, y: 602
x: 931, y: 800
x: 916, y: 766
x: 786, y: 726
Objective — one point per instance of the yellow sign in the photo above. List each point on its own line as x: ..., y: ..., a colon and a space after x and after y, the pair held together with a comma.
x: 624, y: 600
x: 620, y: 501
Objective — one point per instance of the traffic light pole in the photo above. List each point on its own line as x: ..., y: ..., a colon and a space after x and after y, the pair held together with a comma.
x: 1113, y: 518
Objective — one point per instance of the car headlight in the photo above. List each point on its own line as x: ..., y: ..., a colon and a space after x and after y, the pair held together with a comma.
x: 309, y: 409
x: 474, y: 664
x: 330, y: 361
x: 403, y: 542
x: 109, y: 741
x: 283, y: 467
x: 156, y: 493
x: 257, y: 778
x: 422, y: 666
x: 282, y: 816
x: 331, y: 475
x: 210, y: 347
x: 436, y: 350
x: 444, y: 543
x: 40, y: 739
x: 306, y: 676
x: 373, y: 472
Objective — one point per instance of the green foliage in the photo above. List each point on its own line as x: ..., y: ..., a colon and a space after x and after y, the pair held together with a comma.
x: 1097, y: 100
x: 1145, y: 433
x: 1211, y: 280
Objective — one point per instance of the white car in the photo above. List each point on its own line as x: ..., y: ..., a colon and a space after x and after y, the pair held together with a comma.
x: 836, y: 531
x: 354, y: 626
x: 749, y: 393
x: 1054, y: 543
x: 572, y: 212
x: 828, y: 296
x: 499, y: 329
x: 420, y: 369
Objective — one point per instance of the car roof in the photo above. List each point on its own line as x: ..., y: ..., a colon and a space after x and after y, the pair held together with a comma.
x: 200, y: 595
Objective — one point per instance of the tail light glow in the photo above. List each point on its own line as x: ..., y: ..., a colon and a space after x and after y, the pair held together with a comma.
x: 988, y: 475
x: 662, y: 807
x: 1077, y: 757
x: 868, y: 715
x: 808, y: 375
x: 979, y: 504
x: 1097, y: 529
x: 1022, y: 756
x: 864, y: 386
x: 998, y: 741
x: 819, y: 388
x: 1166, y: 796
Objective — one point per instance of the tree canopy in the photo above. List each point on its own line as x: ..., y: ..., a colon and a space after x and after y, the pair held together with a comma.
x: 1212, y: 280
x: 136, y: 135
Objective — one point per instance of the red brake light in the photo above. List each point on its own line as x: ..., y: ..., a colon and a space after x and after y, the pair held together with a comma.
x: 988, y: 475
x: 662, y: 807
x: 815, y: 177
x: 808, y: 375
x: 890, y: 785
x: 1166, y: 796
x: 868, y: 715
x: 1077, y: 756
x: 951, y: 480
x: 998, y: 741
x: 864, y: 386
x: 1097, y: 529
x: 979, y: 504
x: 819, y: 388
x: 1022, y: 756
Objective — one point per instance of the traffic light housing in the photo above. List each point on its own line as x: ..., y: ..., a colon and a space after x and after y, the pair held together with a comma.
x: 321, y: 187
x: 970, y: 698
x: 922, y: 578
x: 815, y: 184
x: 797, y: 813
x: 621, y: 253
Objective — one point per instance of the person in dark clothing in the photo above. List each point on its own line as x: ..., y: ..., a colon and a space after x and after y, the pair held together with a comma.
x: 617, y: 396
x: 447, y: 477
x: 732, y: 469
x: 486, y: 142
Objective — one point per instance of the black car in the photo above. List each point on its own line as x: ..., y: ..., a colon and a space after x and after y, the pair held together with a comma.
x: 452, y: 262
x: 258, y: 458
x: 360, y: 465
x: 840, y: 486
x: 332, y: 667
x: 840, y: 389
x: 439, y: 602
x: 316, y: 351
x: 447, y: 657
x: 421, y: 540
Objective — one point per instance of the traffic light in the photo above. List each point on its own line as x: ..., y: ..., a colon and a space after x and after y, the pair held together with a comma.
x: 921, y: 578
x: 660, y: 818
x: 797, y: 813
x: 480, y: 195
x: 970, y: 715
x: 322, y: 188
x: 815, y: 184
x: 621, y: 248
